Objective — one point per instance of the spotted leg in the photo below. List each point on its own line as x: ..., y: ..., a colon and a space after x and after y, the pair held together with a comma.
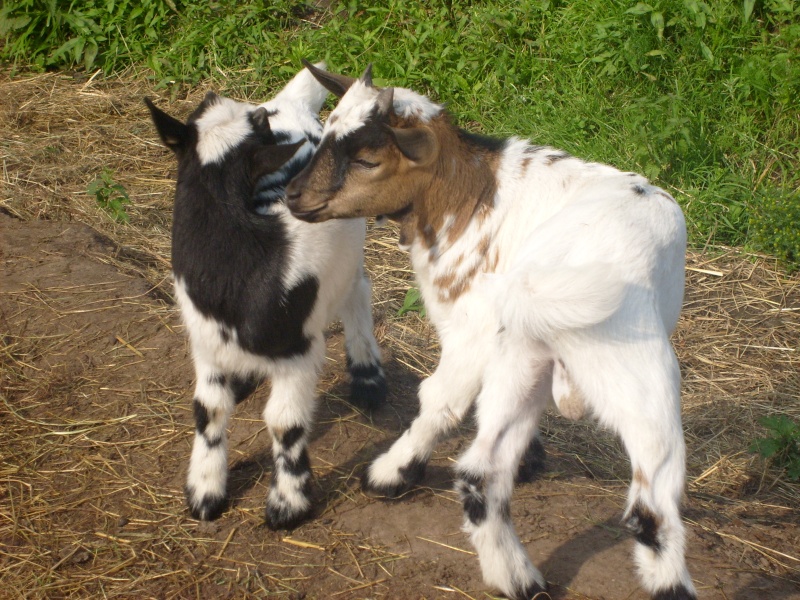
x: 511, y: 401
x: 444, y: 399
x: 216, y: 394
x: 289, y: 415
x: 367, y: 380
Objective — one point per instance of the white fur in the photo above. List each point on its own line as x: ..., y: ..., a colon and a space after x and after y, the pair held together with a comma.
x: 583, y: 287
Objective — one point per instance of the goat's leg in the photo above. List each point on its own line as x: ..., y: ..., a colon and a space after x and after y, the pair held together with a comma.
x: 509, y: 407
x: 652, y: 433
x: 216, y: 394
x: 367, y: 380
x: 444, y: 399
x: 289, y: 415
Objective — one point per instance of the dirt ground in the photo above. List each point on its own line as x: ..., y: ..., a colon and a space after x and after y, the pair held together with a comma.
x: 96, y: 422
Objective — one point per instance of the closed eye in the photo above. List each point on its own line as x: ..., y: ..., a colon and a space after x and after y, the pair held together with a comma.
x: 365, y: 163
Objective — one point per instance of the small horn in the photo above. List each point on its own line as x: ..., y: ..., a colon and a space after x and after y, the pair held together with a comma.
x: 336, y: 84
x: 366, y: 78
x: 385, y: 103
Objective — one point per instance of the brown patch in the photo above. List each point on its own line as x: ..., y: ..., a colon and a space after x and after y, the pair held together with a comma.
x: 462, y: 182
x: 640, y: 478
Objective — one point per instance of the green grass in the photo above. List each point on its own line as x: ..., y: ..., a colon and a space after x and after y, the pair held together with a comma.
x: 703, y: 97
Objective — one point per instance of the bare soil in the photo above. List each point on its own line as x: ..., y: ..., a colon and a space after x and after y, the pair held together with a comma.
x: 96, y: 422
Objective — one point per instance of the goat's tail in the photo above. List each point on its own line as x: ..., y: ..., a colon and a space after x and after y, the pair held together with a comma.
x: 542, y: 301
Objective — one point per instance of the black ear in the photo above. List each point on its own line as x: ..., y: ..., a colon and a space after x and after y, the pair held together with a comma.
x: 268, y: 159
x: 418, y: 144
x: 260, y: 120
x: 336, y: 84
x: 173, y: 133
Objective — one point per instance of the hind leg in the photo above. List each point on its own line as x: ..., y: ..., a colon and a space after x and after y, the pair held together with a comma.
x: 513, y: 397
x: 367, y: 380
x: 639, y: 398
x: 289, y: 415
x: 216, y: 394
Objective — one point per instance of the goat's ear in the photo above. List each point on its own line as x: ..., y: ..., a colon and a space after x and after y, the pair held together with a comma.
x: 418, y: 144
x: 260, y: 120
x: 336, y: 84
x: 268, y: 159
x: 173, y: 133
x: 385, y: 103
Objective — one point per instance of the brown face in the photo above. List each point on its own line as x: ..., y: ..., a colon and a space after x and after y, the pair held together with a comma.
x: 363, y: 174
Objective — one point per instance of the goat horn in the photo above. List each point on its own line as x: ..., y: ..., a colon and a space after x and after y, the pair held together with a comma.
x: 366, y: 78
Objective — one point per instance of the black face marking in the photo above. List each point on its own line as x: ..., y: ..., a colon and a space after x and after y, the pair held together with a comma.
x: 639, y: 190
x: 644, y: 525
x: 201, y: 418
x: 530, y: 150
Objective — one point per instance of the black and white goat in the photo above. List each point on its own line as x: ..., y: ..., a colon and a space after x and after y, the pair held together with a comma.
x: 549, y: 279
x: 257, y: 287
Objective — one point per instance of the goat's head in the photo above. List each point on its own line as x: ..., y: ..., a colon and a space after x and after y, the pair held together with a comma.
x: 240, y: 154
x: 375, y: 156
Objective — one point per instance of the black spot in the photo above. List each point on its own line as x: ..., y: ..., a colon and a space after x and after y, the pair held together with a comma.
x: 242, y: 387
x: 201, y: 418
x: 484, y: 142
x: 644, y: 525
x: 554, y: 158
x: 283, y: 517
x: 213, y: 442
x: 295, y: 467
x: 224, y: 334
x: 678, y: 592
x: 530, y: 150
x: 639, y: 190
x: 470, y: 488
x: 313, y: 138
x: 291, y: 437
x: 217, y: 379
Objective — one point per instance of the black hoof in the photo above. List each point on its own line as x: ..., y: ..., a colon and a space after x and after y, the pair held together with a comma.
x: 533, y: 591
x: 678, y: 592
x: 367, y: 386
x: 533, y: 461
x: 411, y: 474
x: 282, y: 518
x: 208, y: 509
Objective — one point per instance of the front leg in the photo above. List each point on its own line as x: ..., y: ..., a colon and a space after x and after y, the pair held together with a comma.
x: 289, y: 415
x: 444, y: 399
x: 214, y: 399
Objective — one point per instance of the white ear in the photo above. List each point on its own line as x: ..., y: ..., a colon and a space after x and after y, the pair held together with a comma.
x: 306, y: 89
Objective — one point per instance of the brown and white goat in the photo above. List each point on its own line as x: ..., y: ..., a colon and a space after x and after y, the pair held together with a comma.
x: 549, y: 279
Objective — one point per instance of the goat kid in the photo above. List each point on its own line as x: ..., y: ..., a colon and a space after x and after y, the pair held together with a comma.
x: 257, y: 288
x: 548, y: 279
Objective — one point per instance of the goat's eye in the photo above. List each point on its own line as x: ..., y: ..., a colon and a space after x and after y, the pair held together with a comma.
x: 365, y: 163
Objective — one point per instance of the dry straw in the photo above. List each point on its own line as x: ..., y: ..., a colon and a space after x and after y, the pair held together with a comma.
x: 95, y: 422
